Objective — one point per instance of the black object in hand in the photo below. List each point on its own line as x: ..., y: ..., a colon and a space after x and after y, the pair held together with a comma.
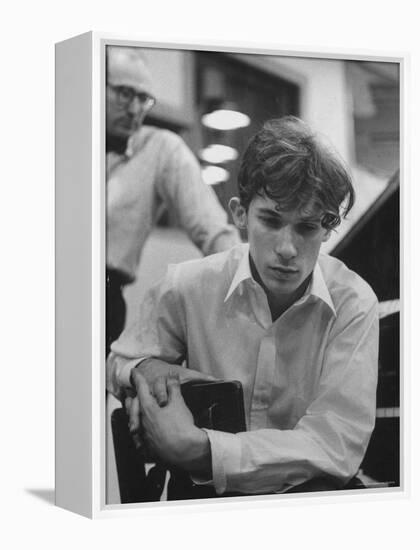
x: 217, y: 405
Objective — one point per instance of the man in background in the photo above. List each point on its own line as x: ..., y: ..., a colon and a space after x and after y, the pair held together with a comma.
x: 147, y: 167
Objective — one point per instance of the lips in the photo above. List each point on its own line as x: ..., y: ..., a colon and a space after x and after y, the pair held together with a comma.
x: 282, y: 273
x: 285, y: 270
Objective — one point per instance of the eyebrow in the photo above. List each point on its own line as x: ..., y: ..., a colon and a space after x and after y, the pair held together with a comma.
x: 272, y: 212
x: 311, y: 218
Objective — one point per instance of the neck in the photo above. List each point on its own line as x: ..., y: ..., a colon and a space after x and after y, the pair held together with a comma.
x: 279, y: 303
x: 116, y: 144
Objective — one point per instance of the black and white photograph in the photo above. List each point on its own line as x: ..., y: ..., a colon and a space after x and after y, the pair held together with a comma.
x: 210, y: 267
x: 252, y: 277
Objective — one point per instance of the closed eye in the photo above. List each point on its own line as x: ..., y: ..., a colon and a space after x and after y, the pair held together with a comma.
x: 303, y: 228
x: 307, y: 228
x: 272, y: 222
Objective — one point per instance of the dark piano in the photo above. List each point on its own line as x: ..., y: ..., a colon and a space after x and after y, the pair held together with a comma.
x: 371, y: 248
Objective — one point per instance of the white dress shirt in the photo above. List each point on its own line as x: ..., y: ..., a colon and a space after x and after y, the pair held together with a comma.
x: 158, y: 168
x: 309, y: 378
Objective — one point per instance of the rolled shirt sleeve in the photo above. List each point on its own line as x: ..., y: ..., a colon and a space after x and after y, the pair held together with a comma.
x: 159, y: 169
x: 196, y: 205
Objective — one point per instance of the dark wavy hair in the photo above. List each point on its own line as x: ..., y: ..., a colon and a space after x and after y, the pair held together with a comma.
x: 287, y: 162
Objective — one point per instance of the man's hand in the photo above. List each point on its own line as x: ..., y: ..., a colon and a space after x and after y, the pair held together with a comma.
x: 169, y: 431
x: 156, y: 372
x: 132, y: 408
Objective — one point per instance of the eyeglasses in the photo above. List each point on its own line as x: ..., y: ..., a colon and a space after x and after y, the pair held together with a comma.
x: 125, y: 95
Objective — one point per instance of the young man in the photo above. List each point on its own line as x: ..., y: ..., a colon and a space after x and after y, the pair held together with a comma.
x: 148, y: 167
x: 296, y: 327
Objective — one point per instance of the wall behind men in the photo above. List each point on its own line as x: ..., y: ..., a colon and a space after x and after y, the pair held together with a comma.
x: 323, y: 91
x: 173, y: 78
x: 326, y: 103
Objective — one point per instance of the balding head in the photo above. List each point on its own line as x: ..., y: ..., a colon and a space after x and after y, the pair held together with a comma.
x: 127, y: 67
x: 126, y: 72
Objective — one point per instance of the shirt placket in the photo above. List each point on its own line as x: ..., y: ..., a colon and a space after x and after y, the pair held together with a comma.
x: 265, y: 366
x: 263, y: 382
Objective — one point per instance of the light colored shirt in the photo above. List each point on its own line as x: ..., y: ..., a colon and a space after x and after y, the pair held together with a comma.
x: 158, y: 168
x: 309, y: 378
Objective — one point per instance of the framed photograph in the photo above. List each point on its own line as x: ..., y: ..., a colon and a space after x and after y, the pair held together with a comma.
x: 227, y: 274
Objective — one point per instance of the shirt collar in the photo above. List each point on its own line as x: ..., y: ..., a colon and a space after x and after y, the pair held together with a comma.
x: 317, y: 287
x: 242, y: 273
x: 135, y: 141
x: 131, y: 144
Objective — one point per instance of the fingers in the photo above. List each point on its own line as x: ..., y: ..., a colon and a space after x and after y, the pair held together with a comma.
x: 160, y: 391
x: 127, y: 404
x: 174, y: 387
x: 134, y: 415
x: 127, y: 398
x: 143, y: 392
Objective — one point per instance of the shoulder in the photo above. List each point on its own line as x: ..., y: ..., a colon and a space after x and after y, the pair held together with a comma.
x: 167, y: 149
x: 156, y: 136
x: 212, y: 273
x: 347, y: 289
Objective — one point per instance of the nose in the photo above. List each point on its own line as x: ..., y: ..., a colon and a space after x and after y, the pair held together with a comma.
x: 136, y: 106
x: 285, y: 244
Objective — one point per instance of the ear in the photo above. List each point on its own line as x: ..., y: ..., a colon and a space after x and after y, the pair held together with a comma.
x: 238, y: 213
x: 326, y: 236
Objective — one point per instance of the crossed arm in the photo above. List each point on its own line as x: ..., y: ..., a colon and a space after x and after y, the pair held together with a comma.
x: 329, y: 439
x: 159, y: 413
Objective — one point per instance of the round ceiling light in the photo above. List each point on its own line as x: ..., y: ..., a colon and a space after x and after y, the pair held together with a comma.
x: 218, y: 154
x: 214, y: 174
x: 225, y: 119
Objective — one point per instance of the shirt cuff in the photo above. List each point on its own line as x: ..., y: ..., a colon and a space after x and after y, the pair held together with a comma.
x: 122, y: 372
x: 225, y: 456
x: 201, y: 481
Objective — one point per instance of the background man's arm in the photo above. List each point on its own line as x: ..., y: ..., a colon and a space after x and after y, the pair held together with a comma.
x: 195, y: 203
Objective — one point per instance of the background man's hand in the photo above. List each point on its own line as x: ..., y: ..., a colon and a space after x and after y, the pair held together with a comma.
x: 170, y: 432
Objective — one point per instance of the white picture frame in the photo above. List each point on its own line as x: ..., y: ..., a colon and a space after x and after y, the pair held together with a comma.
x: 81, y: 446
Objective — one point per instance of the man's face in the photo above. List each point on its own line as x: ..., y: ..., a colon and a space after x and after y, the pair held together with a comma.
x: 284, y: 245
x: 126, y: 75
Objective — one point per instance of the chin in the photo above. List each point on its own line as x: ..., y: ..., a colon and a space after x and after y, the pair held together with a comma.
x: 283, y: 287
x: 125, y: 132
